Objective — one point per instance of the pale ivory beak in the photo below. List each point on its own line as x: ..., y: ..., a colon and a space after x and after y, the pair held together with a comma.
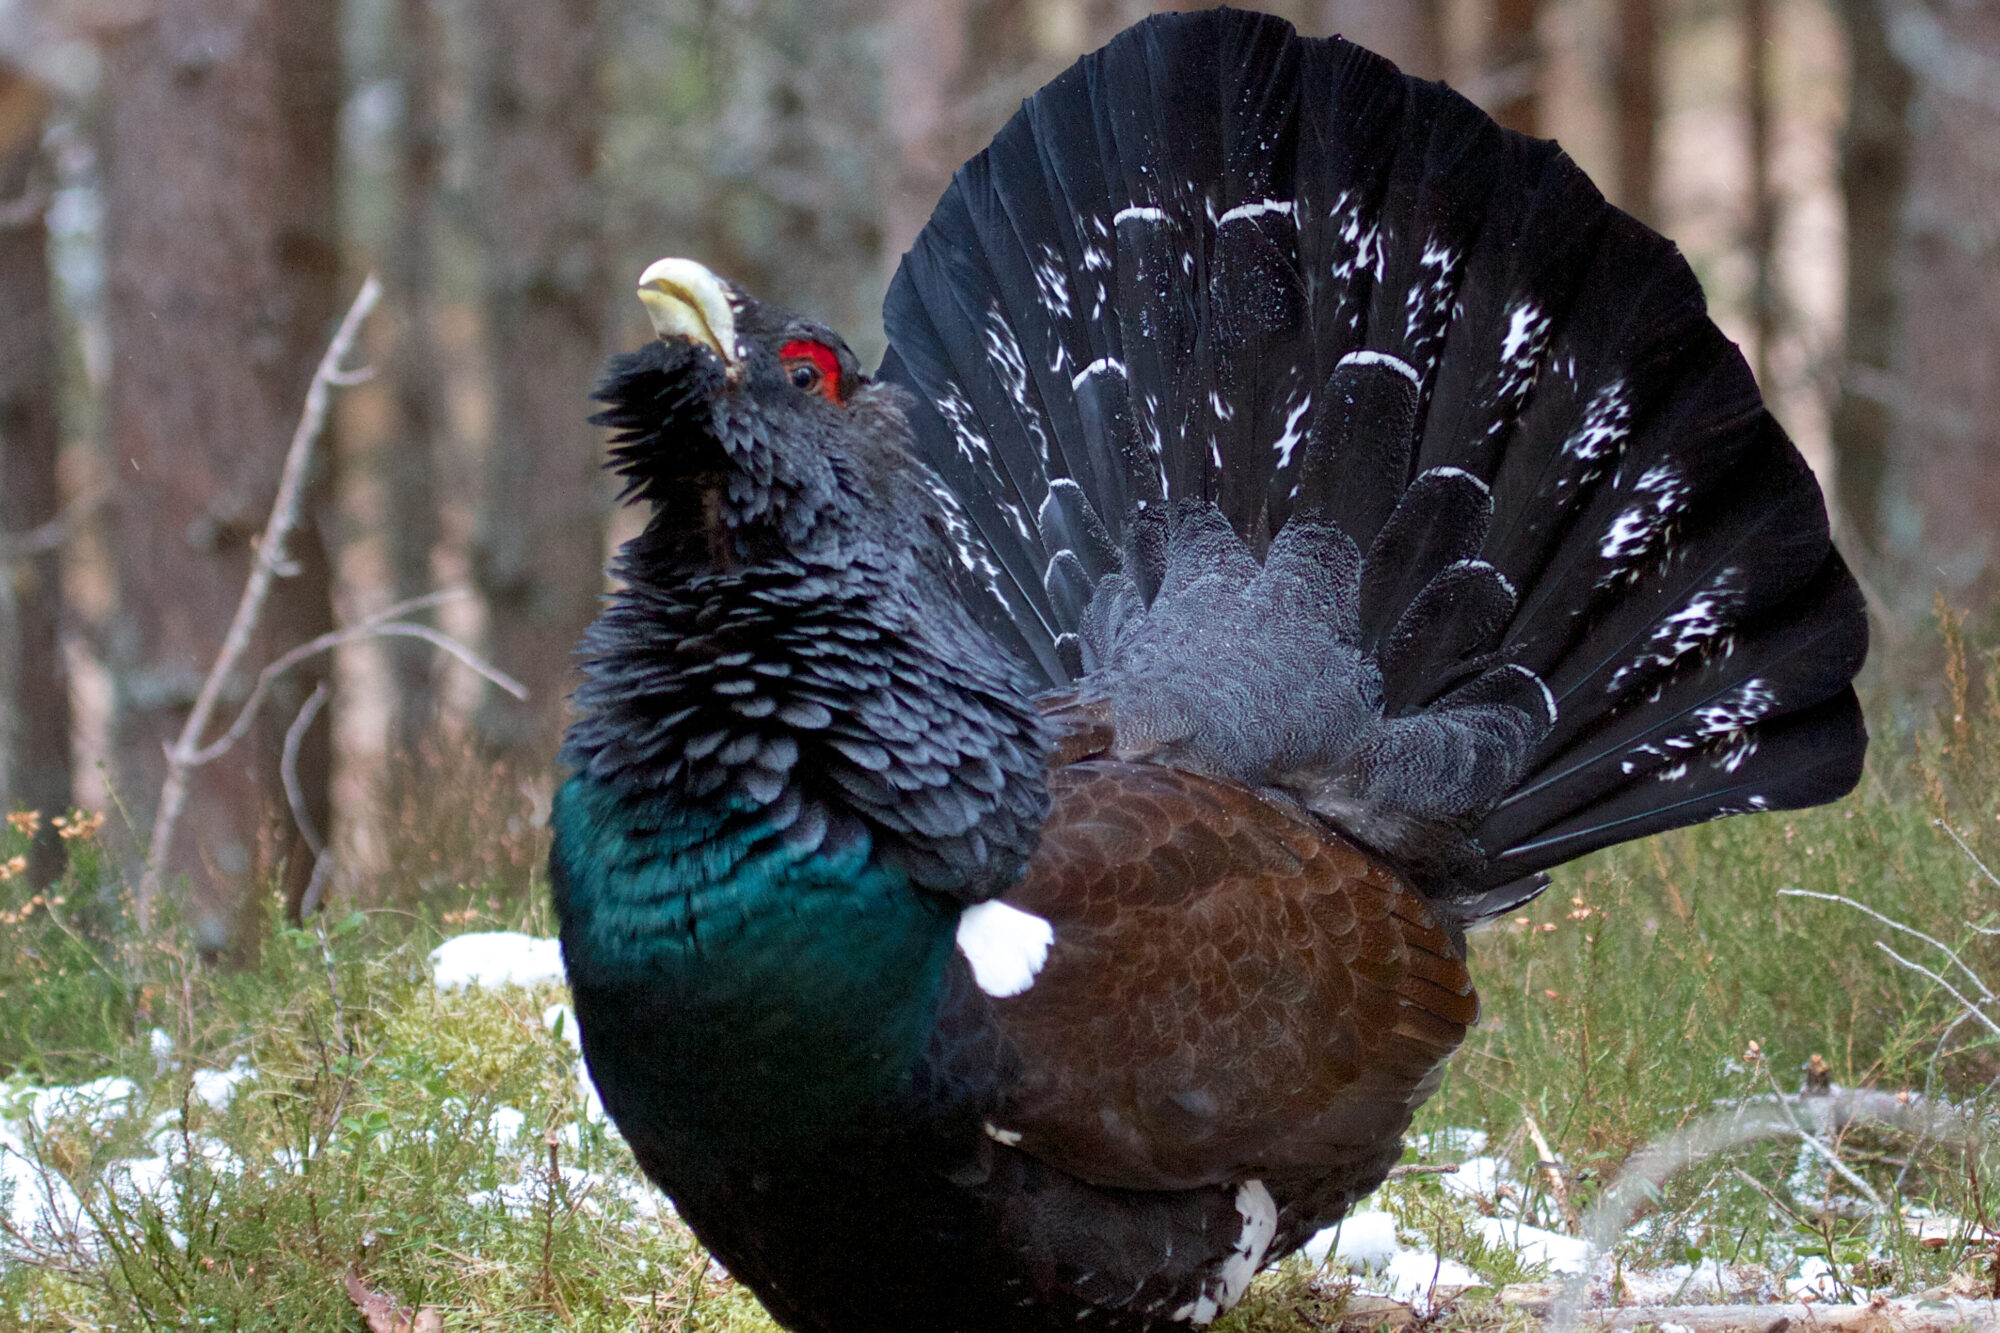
x: 685, y: 300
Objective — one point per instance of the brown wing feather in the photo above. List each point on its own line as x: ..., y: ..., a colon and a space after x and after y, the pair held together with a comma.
x: 1233, y: 990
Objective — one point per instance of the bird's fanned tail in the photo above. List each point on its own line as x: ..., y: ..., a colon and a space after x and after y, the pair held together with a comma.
x: 1581, y: 584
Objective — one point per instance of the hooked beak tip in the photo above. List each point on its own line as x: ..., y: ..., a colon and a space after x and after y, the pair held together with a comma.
x: 683, y: 299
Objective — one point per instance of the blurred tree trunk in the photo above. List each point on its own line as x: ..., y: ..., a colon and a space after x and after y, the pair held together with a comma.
x: 409, y: 472
x: 307, y: 205
x: 1514, y: 64
x: 1409, y: 32
x: 1637, y: 80
x: 925, y: 57
x: 220, y: 293
x: 539, y: 552
x: 1946, y: 386
x: 34, y: 707
x: 1874, y: 181
x: 1762, y: 234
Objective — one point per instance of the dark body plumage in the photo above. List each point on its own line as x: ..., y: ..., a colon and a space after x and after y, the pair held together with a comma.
x: 1027, y: 807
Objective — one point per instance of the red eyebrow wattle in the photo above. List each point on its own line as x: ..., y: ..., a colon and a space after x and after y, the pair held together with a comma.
x: 816, y: 352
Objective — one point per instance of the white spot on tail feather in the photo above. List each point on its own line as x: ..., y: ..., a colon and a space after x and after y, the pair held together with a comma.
x: 1636, y: 529
x: 1220, y: 1292
x: 1243, y: 211
x: 1052, y: 282
x: 1005, y: 349
x: 1004, y: 946
x: 1103, y: 365
x: 1395, y: 363
x: 1448, y: 471
x: 1289, y: 438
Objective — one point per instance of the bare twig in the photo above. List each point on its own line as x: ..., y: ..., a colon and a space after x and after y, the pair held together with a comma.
x: 1647, y: 1170
x: 269, y: 561
x: 380, y: 625
x: 1818, y: 1146
x: 1399, y: 1172
x: 1894, y: 924
x: 1969, y: 1007
x: 1552, y: 1168
x: 295, y: 797
x: 288, y: 767
x: 1974, y: 858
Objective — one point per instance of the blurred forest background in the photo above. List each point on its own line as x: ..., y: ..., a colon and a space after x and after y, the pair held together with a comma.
x: 191, y: 192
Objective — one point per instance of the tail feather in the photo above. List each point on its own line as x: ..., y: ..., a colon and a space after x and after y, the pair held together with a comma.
x: 1217, y: 263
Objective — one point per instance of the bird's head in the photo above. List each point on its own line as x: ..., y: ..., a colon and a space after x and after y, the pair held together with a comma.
x: 754, y: 432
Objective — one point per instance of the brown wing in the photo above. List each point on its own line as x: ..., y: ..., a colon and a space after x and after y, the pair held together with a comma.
x: 1232, y: 990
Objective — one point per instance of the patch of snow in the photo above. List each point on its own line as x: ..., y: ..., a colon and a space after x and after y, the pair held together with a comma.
x: 496, y: 958
x: 1450, y: 1142
x: 1364, y: 1242
x: 1562, y: 1254
x: 506, y: 1125
x: 162, y: 1047
x: 216, y: 1088
x: 1411, y: 1275
x: 1477, y: 1178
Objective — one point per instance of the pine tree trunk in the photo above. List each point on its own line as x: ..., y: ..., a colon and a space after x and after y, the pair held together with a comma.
x: 409, y: 470
x: 220, y: 293
x: 308, y: 215
x: 35, y: 770
x: 1874, y: 182
x: 1637, y: 81
x: 1514, y: 64
x: 925, y: 54
x: 1945, y: 386
x: 1409, y: 32
x: 1762, y: 233
x: 539, y: 553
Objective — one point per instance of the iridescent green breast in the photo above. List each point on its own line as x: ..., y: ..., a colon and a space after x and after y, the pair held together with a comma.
x: 767, y: 993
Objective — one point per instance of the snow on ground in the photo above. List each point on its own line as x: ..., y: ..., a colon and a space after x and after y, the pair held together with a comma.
x: 39, y: 1203
x: 496, y: 958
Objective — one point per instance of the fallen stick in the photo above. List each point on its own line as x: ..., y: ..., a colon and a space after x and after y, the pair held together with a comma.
x: 1880, y: 1316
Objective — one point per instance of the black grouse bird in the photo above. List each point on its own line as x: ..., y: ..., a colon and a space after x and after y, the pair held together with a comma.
x: 1027, y: 806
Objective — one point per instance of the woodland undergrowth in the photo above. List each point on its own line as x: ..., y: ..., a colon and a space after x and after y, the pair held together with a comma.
x: 437, y: 1146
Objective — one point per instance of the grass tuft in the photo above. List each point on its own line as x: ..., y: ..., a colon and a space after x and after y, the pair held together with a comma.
x: 439, y: 1144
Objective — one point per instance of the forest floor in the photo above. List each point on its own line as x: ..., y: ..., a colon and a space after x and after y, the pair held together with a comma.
x: 382, y: 1122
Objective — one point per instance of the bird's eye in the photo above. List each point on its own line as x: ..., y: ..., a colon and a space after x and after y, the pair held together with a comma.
x: 813, y: 368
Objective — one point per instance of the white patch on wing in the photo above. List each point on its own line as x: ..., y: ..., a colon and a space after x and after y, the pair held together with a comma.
x: 1139, y: 213
x: 1395, y: 363
x: 1004, y: 946
x: 1010, y: 1137
x: 1219, y: 1293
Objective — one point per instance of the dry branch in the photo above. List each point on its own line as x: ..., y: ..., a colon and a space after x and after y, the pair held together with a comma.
x: 51, y: 534
x: 268, y: 564
x: 1880, y: 1316
x: 383, y: 1313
